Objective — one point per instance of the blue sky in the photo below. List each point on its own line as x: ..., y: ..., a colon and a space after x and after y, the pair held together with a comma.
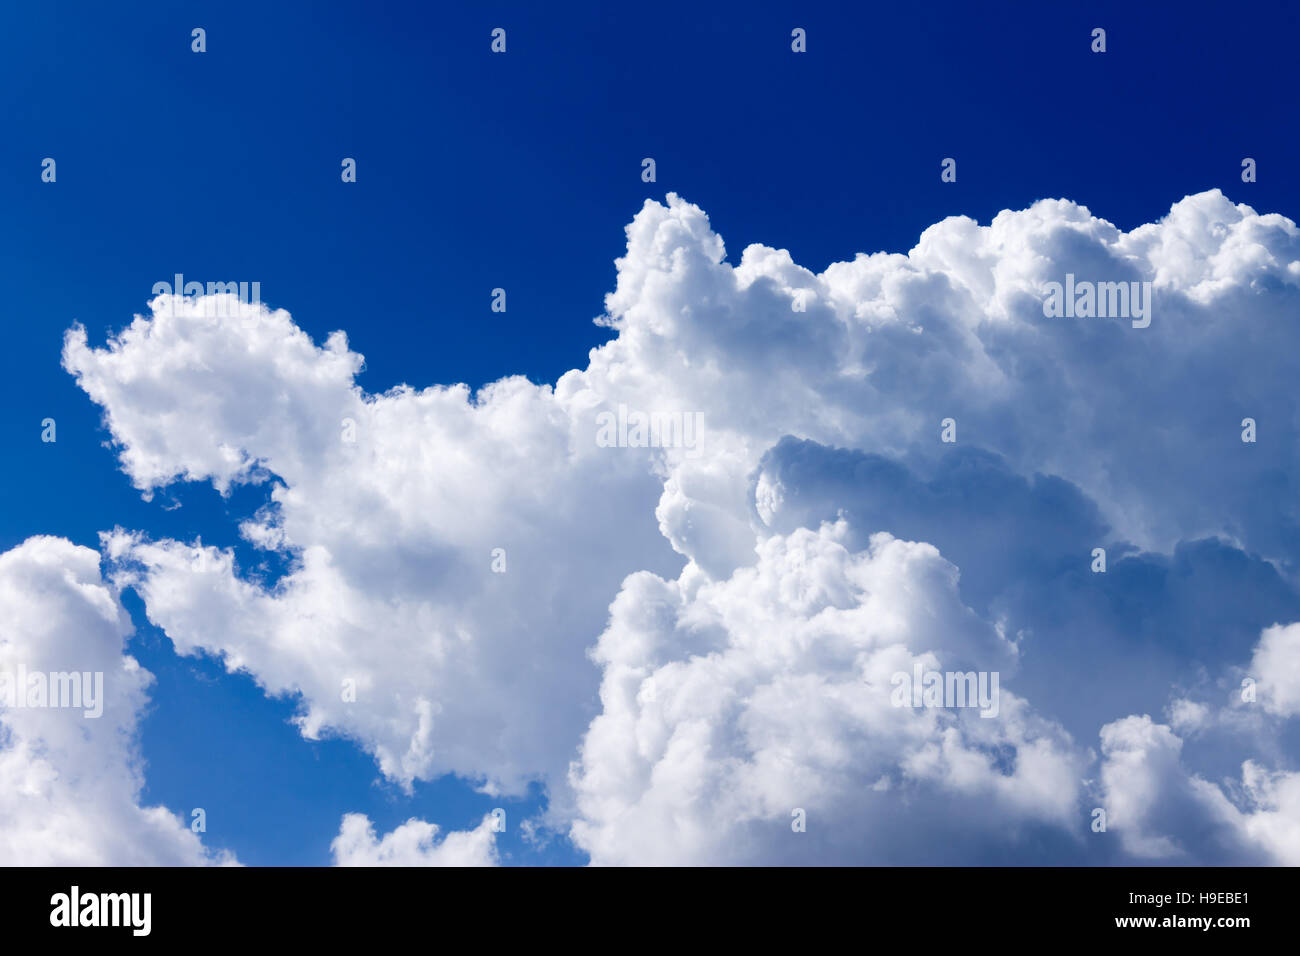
x: 521, y: 171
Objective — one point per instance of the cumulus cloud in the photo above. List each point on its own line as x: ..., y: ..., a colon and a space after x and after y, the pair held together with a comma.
x: 1165, y: 813
x: 1211, y: 806
x: 414, y: 843
x: 730, y: 708
x: 71, y: 779
x: 1115, y: 641
x: 1276, y: 664
x: 1072, y: 434
x: 890, y: 345
x: 392, y: 508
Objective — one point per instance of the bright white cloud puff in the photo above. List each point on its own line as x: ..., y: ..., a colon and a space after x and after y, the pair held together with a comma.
x: 414, y: 843
x: 72, y: 774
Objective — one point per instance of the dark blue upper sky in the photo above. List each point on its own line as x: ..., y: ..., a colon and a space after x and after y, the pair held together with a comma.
x: 520, y: 171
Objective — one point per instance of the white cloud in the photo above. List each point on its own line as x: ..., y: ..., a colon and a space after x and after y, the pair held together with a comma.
x: 1164, y: 813
x: 1275, y: 667
x: 72, y: 782
x: 414, y: 843
x: 459, y: 669
x: 729, y: 706
x: 1273, y: 818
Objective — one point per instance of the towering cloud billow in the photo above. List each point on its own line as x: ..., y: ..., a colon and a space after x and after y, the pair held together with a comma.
x: 902, y: 459
x: 758, y: 719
